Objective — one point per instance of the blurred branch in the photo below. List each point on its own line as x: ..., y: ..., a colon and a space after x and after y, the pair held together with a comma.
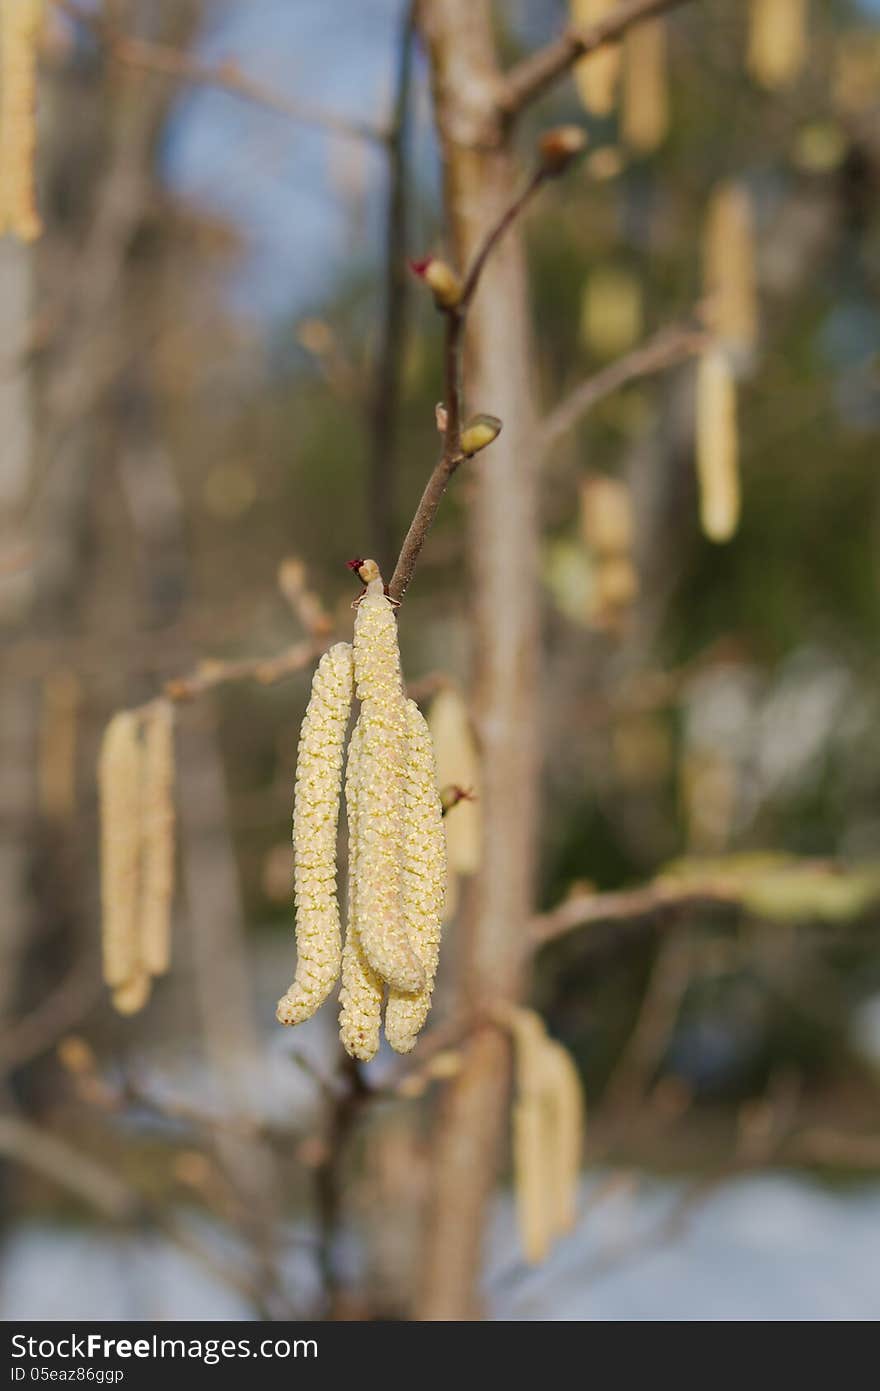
x: 669, y: 347
x: 627, y: 905
x: 147, y: 56
x: 265, y: 670
x: 63, y: 1007
x: 452, y: 456
x: 386, y: 394
x: 533, y: 75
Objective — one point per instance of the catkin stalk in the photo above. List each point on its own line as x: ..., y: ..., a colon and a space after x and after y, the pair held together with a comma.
x: 596, y: 74
x: 424, y: 878
x: 157, y: 875
x: 19, y: 32
x: 645, y: 114
x: 729, y: 278
x: 315, y: 818
x: 717, y: 447
x: 119, y: 783
x: 360, y: 997
x: 382, y: 725
x: 777, y: 43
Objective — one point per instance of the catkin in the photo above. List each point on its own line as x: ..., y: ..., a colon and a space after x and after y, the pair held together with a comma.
x: 360, y: 996
x: 315, y: 818
x: 611, y: 311
x: 424, y: 874
x: 717, y: 446
x: 119, y: 784
x: 382, y: 725
x: 777, y: 41
x: 134, y: 994
x: 458, y: 766
x: 729, y: 278
x: 566, y: 1105
x: 19, y: 33
x: 157, y: 875
x: 645, y: 114
x: 596, y: 74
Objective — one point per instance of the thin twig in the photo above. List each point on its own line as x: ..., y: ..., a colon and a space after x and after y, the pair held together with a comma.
x: 147, y: 56
x: 451, y: 456
x: 672, y: 345
x: 386, y: 395
x: 265, y: 670
x: 533, y: 75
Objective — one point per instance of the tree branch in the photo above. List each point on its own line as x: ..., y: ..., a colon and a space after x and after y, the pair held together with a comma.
x: 529, y: 78
x: 452, y: 456
x: 668, y: 347
x: 147, y: 56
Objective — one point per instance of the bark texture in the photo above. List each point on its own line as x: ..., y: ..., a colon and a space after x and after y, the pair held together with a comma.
x: 480, y: 180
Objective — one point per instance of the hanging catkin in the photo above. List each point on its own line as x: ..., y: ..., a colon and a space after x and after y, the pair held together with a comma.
x: 645, y: 114
x: 596, y: 74
x: 566, y: 1104
x: 777, y: 42
x: 717, y: 446
x: 315, y: 819
x: 19, y: 33
x: 458, y: 771
x: 382, y: 724
x: 157, y: 876
x: 360, y: 996
x: 424, y: 874
x: 547, y: 1123
x: 119, y: 787
x: 729, y: 270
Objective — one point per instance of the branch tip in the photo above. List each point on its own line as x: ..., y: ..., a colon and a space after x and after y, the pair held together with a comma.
x: 441, y: 279
x: 558, y: 147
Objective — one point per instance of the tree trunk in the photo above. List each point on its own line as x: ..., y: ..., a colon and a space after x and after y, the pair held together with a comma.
x: 480, y: 179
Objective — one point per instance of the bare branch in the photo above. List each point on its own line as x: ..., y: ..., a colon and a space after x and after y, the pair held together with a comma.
x: 672, y: 345
x: 452, y: 455
x: 529, y: 78
x: 147, y: 56
x: 265, y: 670
x: 628, y: 905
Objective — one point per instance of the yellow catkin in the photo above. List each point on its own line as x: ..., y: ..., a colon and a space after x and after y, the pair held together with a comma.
x: 596, y: 75
x: 57, y: 749
x: 19, y: 32
x: 777, y: 42
x: 119, y: 786
x: 729, y: 269
x: 717, y: 446
x: 606, y: 515
x: 157, y: 873
x: 133, y: 995
x: 611, y: 311
x: 645, y: 114
x: 458, y: 766
x: 532, y: 1166
x: 382, y: 730
x: 424, y: 879
x: 360, y: 997
x: 565, y: 1102
x: 315, y: 818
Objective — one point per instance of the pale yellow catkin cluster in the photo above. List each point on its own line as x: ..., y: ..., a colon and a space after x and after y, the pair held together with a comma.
x: 729, y: 277
x: 608, y: 529
x: 645, y: 103
x: 596, y: 75
x: 397, y: 848
x: 777, y: 41
x: 717, y: 447
x: 547, y: 1123
x: 19, y: 33
x: 136, y: 792
x: 458, y: 777
x: 315, y: 819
